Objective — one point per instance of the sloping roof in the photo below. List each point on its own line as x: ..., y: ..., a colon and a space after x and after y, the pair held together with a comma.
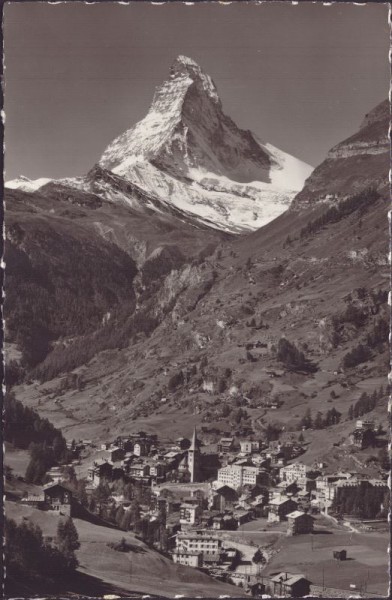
x: 287, y: 578
x: 277, y: 501
x: 34, y: 499
x: 295, y: 514
x: 54, y: 484
x: 227, y: 491
x: 211, y: 557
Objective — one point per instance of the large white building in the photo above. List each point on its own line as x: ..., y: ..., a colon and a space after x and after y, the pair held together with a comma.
x: 195, y: 542
x: 238, y: 475
x: 297, y: 472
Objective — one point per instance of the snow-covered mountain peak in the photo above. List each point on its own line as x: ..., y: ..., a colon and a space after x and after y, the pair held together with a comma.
x: 186, y: 67
x: 188, y: 153
x: 25, y: 184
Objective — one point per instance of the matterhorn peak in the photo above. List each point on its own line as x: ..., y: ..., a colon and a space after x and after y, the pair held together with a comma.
x: 183, y: 66
x: 187, y: 152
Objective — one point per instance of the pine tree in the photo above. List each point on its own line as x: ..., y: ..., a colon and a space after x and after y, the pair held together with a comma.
x: 68, y: 542
x: 351, y: 412
x: 319, y: 421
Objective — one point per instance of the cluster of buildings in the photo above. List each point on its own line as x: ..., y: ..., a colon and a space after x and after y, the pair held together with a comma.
x: 139, y: 457
x: 202, y: 495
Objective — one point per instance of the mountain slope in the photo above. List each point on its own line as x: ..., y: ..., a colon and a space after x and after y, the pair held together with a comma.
x: 361, y: 160
x: 74, y: 261
x: 217, y: 326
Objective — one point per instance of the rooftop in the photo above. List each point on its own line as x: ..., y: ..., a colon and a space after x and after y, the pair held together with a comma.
x: 287, y: 578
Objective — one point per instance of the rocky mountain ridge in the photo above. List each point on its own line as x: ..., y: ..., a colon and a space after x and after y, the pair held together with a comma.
x: 360, y: 161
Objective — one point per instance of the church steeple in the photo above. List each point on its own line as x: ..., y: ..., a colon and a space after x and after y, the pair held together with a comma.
x: 194, y: 445
x: 193, y: 458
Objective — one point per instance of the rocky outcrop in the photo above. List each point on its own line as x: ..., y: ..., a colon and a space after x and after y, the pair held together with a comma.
x: 358, y: 162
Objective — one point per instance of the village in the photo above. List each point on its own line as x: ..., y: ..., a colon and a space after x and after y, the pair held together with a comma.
x: 214, y: 507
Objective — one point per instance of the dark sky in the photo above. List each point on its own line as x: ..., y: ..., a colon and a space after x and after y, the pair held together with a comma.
x: 301, y: 77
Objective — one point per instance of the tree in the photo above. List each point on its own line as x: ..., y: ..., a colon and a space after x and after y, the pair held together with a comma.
x: 301, y: 437
x: 307, y: 419
x: 351, y: 412
x: 258, y: 557
x: 226, y: 410
x: 59, y: 448
x: 292, y: 358
x: 319, y: 421
x: 68, y: 542
x: 358, y: 355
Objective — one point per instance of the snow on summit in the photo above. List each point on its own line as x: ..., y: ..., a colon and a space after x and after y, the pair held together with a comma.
x: 187, y: 152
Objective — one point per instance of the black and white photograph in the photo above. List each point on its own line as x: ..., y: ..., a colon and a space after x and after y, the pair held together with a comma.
x: 196, y: 300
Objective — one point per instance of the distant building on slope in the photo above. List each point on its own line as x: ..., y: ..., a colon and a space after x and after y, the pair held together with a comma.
x: 362, y: 438
x: 299, y: 523
x: 289, y: 585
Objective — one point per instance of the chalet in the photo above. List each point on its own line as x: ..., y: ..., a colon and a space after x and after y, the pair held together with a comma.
x: 242, y: 516
x: 279, y: 508
x: 189, y: 513
x: 225, y: 445
x: 206, y: 520
x: 100, y: 471
x: 299, y: 522
x: 37, y: 501
x: 218, y: 522
x: 249, y: 446
x: 125, y: 443
x: 362, y: 438
x: 257, y: 589
x: 139, y: 470
x: 289, y: 585
x: 288, y: 488
x: 258, y: 507
x: 58, y: 498
x: 158, y: 471
x: 142, y: 448
x: 365, y: 424
x: 224, y: 497
x: 116, y: 454
x: 173, y: 458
